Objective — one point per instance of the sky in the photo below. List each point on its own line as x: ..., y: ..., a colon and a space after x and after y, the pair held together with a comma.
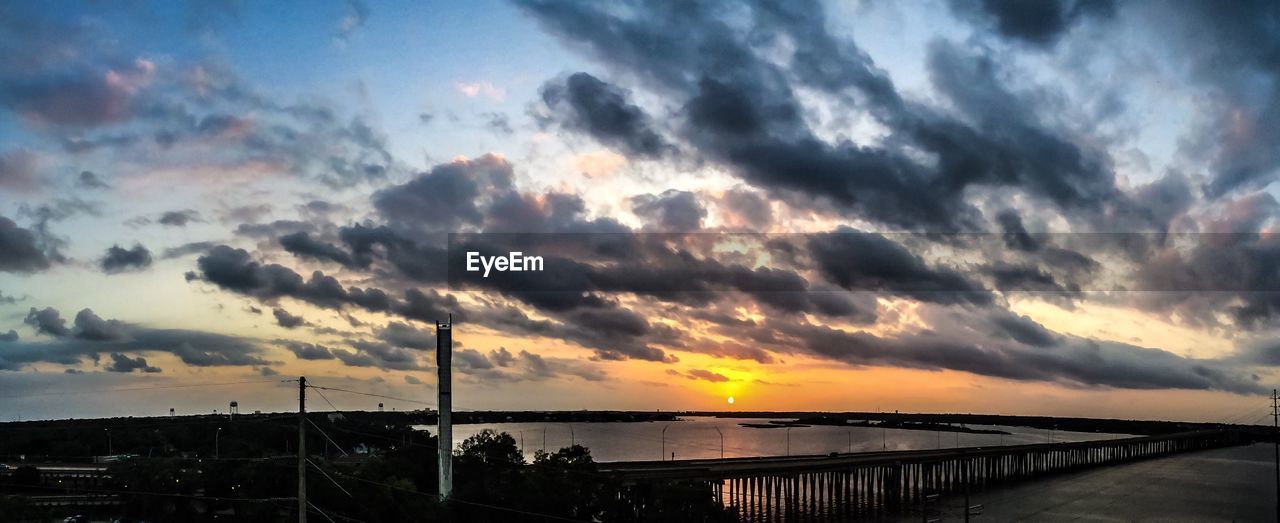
x: 1054, y: 208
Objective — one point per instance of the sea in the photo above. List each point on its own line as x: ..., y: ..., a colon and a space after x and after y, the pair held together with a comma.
x: 699, y: 437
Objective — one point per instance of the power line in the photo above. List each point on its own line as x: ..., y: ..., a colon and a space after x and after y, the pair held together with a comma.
x: 326, y: 399
x: 314, y: 508
x: 384, y: 396
x: 330, y: 478
x: 326, y: 436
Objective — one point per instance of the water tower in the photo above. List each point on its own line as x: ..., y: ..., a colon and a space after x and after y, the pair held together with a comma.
x: 235, y: 408
x: 379, y: 406
x: 170, y: 412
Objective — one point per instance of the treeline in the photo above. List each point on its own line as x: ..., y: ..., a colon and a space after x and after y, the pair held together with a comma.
x: 1110, y: 426
x: 358, y: 468
x: 80, y: 439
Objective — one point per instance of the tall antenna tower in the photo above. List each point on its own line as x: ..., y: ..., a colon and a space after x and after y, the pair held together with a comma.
x: 444, y: 387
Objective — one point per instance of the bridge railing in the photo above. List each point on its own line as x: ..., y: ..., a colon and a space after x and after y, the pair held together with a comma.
x: 879, y: 483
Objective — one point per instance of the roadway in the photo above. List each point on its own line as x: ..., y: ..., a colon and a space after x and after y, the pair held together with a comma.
x: 1226, y: 484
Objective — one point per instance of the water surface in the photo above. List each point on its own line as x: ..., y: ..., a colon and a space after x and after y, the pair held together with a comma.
x: 697, y: 437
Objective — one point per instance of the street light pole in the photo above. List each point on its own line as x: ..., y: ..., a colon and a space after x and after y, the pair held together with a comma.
x: 664, y: 441
x: 788, y: 441
x: 1275, y: 420
x: 110, y: 449
x: 217, y: 452
x: 721, y: 440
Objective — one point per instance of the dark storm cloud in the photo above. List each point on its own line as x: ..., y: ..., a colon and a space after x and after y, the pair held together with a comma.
x: 1231, y: 52
x: 91, y: 180
x: 309, y: 351
x: 19, y: 249
x: 740, y: 109
x: 1073, y: 361
x: 868, y: 261
x: 1015, y: 235
x: 1038, y: 23
x: 301, y: 244
x: 749, y: 208
x: 178, y: 218
x: 471, y: 360
x: 286, y: 320
x: 1024, y: 330
x: 1163, y: 200
x: 118, y: 259
x: 502, y: 366
x: 47, y: 321
x: 321, y: 208
x: 187, y: 249
x: 64, y: 72
x: 82, y: 98
x: 1016, y: 149
x: 354, y: 359
x: 671, y: 211
x: 605, y: 112
x: 424, y: 262
x: 122, y: 363
x: 12, y: 335
x: 499, y: 123
x: 234, y: 270
x: 1010, y: 277
x: 404, y: 335
x: 1242, y: 270
x: 43, y: 217
x: 383, y: 355
x: 669, y: 267
x: 540, y: 367
x: 701, y: 374
x: 735, y: 350
x: 446, y: 197
x: 273, y: 229
x: 92, y: 327
x: 94, y: 336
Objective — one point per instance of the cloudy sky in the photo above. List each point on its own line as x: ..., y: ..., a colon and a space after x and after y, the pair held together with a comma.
x: 1062, y: 207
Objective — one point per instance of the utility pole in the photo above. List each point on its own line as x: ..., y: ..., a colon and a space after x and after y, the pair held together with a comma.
x: 967, y: 508
x: 1275, y: 438
x: 302, y: 449
x: 444, y: 400
x: 664, y: 440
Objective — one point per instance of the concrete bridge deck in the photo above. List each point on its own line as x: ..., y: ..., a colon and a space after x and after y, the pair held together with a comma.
x: 880, y: 484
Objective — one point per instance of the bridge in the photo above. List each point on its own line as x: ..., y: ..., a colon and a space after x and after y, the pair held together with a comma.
x: 881, y: 484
